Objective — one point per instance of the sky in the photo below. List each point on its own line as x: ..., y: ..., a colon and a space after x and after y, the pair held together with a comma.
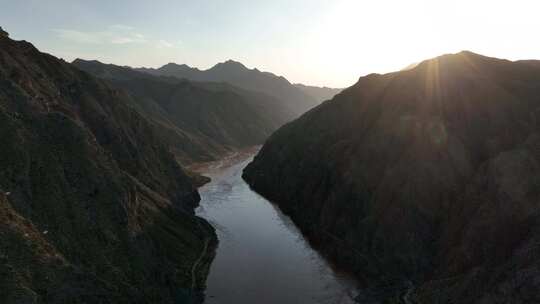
x: 315, y: 42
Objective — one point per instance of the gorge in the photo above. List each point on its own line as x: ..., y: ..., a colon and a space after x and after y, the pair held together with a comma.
x: 233, y: 185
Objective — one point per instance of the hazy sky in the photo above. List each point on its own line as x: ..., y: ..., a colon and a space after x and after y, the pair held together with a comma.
x: 310, y: 41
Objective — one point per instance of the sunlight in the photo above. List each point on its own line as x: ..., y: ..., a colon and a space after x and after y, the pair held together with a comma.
x: 384, y: 36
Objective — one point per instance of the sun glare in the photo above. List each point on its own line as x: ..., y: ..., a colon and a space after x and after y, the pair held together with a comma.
x: 384, y: 36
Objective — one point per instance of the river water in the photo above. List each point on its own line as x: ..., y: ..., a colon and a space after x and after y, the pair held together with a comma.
x: 262, y: 258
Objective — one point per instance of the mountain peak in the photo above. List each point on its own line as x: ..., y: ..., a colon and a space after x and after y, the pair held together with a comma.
x: 453, y: 56
x: 464, y: 53
x: 231, y: 64
x: 462, y: 59
x: 176, y: 66
x: 82, y: 61
x: 471, y: 53
x: 173, y: 64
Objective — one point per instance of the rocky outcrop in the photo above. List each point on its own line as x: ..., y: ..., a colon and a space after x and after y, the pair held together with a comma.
x: 423, y: 181
x: 93, y: 207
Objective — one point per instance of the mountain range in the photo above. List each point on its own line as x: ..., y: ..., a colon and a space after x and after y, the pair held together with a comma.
x: 235, y: 73
x: 424, y: 182
x: 201, y: 120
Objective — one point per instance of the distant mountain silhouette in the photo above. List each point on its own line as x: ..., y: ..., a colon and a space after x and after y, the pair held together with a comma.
x: 318, y: 93
x: 237, y: 74
x: 93, y: 206
x: 424, y: 182
x: 203, y: 120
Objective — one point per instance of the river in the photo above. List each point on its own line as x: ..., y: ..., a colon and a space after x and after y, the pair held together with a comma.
x: 262, y: 257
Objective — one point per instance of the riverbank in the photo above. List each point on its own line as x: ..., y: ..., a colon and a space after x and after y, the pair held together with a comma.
x: 208, y: 168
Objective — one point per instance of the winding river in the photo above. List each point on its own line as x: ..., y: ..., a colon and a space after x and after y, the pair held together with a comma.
x: 262, y: 257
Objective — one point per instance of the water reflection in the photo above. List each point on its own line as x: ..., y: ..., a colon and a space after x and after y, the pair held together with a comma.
x: 262, y: 257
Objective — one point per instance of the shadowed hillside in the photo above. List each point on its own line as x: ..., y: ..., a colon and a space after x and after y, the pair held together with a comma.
x: 201, y: 120
x: 93, y: 207
x: 425, y: 182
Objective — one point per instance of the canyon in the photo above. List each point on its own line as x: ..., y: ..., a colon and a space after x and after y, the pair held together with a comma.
x: 234, y: 185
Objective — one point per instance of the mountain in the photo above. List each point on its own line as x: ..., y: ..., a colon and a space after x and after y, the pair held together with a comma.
x: 238, y: 75
x: 423, y: 182
x: 203, y: 120
x: 318, y: 93
x: 93, y: 206
x: 410, y: 66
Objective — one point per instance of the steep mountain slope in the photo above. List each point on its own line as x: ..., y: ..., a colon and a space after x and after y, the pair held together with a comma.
x: 425, y: 182
x: 237, y: 74
x: 318, y: 93
x: 93, y: 208
x: 203, y: 119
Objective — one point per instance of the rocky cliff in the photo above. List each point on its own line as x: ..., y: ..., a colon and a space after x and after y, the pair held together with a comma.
x: 93, y: 207
x: 423, y: 182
